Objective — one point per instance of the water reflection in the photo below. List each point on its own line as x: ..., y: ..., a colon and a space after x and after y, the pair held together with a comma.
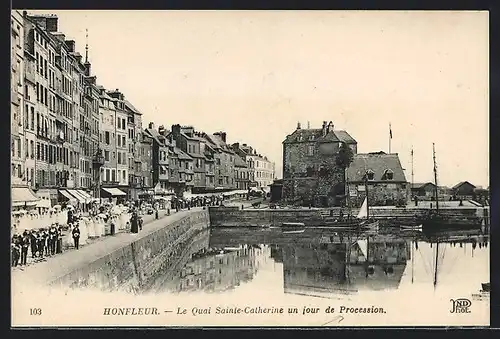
x: 325, y: 263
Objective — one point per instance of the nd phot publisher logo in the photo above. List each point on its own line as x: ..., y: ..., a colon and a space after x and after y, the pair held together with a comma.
x: 461, y: 305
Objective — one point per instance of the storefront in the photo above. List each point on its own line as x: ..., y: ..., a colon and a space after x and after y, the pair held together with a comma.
x: 23, y: 197
x: 114, y: 195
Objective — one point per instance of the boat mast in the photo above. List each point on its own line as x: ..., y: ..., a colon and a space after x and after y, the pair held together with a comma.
x: 412, y: 182
x: 366, y: 193
x: 436, y: 263
x: 435, y: 177
x: 412, y: 260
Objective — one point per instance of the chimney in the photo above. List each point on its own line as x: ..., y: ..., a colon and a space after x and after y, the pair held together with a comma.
x: 71, y: 45
x: 151, y: 125
x: 176, y: 129
x: 308, y: 125
x: 87, y: 68
x: 324, y: 128
x: 51, y: 23
x: 221, y: 135
x: 329, y: 127
x: 161, y: 129
x: 236, y: 146
x: 298, y: 125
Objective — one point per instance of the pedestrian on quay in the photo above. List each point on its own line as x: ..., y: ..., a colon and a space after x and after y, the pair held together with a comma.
x: 141, y: 221
x: 134, y: 223
x: 25, y: 244
x: 46, y: 242
x: 52, y: 239
x: 32, y: 243
x: 76, y: 236
x: 59, y: 241
x: 15, y: 251
x: 39, y: 243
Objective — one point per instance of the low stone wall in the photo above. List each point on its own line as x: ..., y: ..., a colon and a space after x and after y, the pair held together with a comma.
x: 137, y: 264
x: 235, y: 217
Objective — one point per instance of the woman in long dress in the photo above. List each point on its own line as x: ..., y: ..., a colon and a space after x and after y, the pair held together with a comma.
x: 84, y: 232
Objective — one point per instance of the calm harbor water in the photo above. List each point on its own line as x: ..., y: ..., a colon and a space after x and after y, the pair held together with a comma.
x: 387, y: 270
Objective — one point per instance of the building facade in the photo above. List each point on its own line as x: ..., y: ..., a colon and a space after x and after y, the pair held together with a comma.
x: 190, y: 142
x: 261, y: 171
x: 241, y: 173
x: 109, y: 139
x: 160, y: 158
x: 17, y: 103
x: 382, y: 175
x: 311, y: 175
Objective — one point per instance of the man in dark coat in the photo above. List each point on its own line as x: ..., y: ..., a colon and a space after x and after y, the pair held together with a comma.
x: 76, y: 236
x: 52, y: 239
x: 15, y: 251
x: 33, y: 243
x: 134, y: 223
x: 25, y: 244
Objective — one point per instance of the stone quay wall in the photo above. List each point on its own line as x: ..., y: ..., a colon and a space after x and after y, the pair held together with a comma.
x: 137, y: 264
x: 236, y: 217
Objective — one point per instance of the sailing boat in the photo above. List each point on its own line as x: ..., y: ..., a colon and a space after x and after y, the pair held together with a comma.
x: 435, y: 221
x: 364, y: 216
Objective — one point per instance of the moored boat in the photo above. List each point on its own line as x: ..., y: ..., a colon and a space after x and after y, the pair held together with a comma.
x: 411, y: 227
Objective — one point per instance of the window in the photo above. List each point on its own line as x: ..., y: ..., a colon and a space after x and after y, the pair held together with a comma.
x: 106, y: 137
x: 106, y: 155
x: 310, y: 150
x: 370, y: 175
x: 388, y: 174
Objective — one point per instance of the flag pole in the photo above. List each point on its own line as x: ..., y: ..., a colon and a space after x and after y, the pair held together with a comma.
x: 390, y: 137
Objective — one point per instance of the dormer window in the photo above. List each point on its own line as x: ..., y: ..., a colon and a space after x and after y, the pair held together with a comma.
x: 370, y: 174
x: 299, y: 138
x: 311, y: 137
x: 388, y: 174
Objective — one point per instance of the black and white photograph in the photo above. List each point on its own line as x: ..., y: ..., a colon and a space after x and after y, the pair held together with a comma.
x: 249, y: 168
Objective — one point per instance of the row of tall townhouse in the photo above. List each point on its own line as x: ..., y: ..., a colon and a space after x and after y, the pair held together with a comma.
x: 74, y: 140
x: 61, y: 119
x: 185, y: 160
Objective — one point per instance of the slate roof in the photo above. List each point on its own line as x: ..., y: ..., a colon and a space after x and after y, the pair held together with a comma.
x: 460, y: 184
x: 239, y: 162
x: 421, y: 184
x: 220, y: 144
x: 316, y: 134
x: 378, y: 163
x: 131, y: 107
x: 181, y: 155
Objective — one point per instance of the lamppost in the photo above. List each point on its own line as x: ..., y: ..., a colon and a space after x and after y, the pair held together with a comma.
x: 97, y: 163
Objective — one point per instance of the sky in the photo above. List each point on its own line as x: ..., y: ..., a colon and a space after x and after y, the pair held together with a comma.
x: 255, y: 74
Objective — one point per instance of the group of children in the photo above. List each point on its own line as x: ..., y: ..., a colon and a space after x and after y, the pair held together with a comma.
x: 42, y: 242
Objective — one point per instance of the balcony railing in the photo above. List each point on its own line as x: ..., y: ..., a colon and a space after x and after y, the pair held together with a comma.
x: 98, y: 161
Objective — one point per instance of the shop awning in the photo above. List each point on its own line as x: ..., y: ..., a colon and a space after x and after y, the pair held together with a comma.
x: 43, y: 203
x: 163, y: 167
x: 114, y: 192
x: 78, y: 196
x: 68, y: 196
x: 23, y: 196
x: 87, y: 196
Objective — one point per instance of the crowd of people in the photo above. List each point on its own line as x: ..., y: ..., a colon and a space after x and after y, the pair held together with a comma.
x: 67, y: 227
x: 39, y: 234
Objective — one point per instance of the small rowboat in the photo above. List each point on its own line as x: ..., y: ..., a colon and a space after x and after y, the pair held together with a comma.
x: 370, y: 226
x: 294, y: 232
x: 411, y: 228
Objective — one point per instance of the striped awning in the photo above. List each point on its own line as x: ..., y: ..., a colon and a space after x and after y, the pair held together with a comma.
x: 114, y: 192
x: 80, y: 198
x: 68, y: 196
x: 23, y: 196
x: 87, y: 196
